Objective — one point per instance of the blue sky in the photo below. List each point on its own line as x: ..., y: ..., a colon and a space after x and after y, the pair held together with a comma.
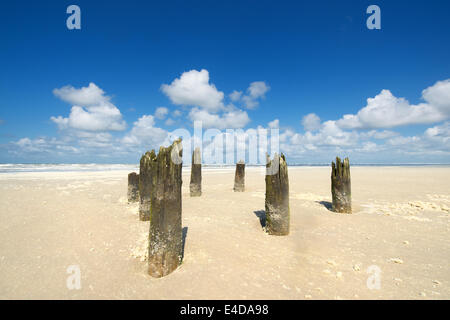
x: 284, y: 60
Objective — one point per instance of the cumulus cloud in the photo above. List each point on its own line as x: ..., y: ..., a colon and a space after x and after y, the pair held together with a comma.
x: 387, y: 111
x: 94, y: 139
x: 169, y: 122
x: 43, y: 145
x: 274, y: 124
x: 93, y: 110
x: 438, y: 96
x: 440, y: 131
x: 384, y: 134
x: 235, y: 95
x: 255, y: 91
x: 93, y: 117
x: 311, y: 122
x: 435, y: 141
x: 193, y: 89
x: 145, y: 133
x: 85, y: 96
x: 231, y: 119
x: 176, y: 113
x: 161, y: 113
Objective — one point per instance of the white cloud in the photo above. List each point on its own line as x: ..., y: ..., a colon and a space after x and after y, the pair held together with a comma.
x: 330, y: 140
x: 311, y: 122
x: 369, y: 147
x: 249, y: 102
x: 229, y: 120
x: 274, y: 124
x: 145, y: 133
x: 379, y: 134
x: 104, y: 117
x: 169, y: 122
x: 387, y: 111
x: 94, y: 139
x: 435, y: 141
x: 24, y: 142
x: 286, y: 135
x: 193, y: 89
x: 43, y: 145
x: 85, y: 96
x: 94, y: 113
x: 441, y: 131
x: 93, y: 117
x: 235, y: 95
x: 176, y: 113
x: 328, y: 135
x: 161, y: 112
x: 438, y: 96
x: 255, y: 91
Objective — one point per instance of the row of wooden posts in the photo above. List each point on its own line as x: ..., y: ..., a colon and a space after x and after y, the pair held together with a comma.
x: 157, y: 187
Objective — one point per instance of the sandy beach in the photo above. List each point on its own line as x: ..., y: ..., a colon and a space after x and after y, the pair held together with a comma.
x: 50, y: 221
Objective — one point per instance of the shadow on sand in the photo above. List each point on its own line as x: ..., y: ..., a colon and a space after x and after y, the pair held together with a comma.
x: 326, y: 204
x: 261, y: 214
x: 185, y: 231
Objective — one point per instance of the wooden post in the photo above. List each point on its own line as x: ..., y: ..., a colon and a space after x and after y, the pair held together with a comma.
x: 166, y: 236
x: 277, y: 196
x: 133, y: 187
x: 341, y: 186
x: 195, y: 186
x: 145, y: 185
x: 239, y: 177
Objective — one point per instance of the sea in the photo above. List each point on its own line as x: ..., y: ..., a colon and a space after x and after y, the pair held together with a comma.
x: 92, y: 167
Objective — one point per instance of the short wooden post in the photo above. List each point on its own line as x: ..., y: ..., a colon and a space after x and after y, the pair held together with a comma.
x: 277, y: 196
x: 195, y: 186
x: 133, y: 187
x: 239, y: 177
x: 166, y: 236
x: 341, y: 186
x: 145, y: 185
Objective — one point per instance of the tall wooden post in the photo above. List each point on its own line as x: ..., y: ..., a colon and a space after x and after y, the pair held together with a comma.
x: 145, y: 185
x: 133, y: 187
x: 277, y: 196
x: 341, y: 186
x: 195, y: 186
x: 239, y: 177
x: 165, y: 239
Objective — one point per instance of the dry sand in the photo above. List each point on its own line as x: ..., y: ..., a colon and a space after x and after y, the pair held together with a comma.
x: 50, y: 221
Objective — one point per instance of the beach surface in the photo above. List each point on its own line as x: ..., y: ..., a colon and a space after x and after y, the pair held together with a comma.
x: 395, y: 245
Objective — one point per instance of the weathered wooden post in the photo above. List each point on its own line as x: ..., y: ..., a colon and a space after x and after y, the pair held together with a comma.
x: 133, y: 187
x: 195, y: 186
x: 166, y: 236
x: 239, y: 177
x: 341, y: 190
x: 145, y: 185
x: 277, y: 196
